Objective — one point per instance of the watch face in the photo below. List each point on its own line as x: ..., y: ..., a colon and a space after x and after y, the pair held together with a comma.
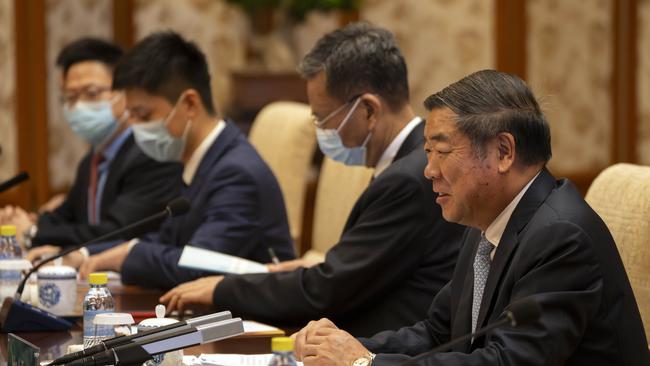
x: 361, y: 362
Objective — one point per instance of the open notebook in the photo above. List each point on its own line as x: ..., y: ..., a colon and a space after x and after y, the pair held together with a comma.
x: 208, y: 260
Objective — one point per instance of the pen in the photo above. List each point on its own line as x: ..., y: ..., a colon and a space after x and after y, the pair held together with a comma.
x: 274, y: 257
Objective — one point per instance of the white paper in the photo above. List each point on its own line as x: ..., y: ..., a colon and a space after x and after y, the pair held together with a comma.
x: 229, y: 359
x: 254, y: 327
x: 208, y: 260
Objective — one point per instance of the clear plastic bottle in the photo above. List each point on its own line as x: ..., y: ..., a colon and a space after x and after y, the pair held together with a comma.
x: 98, y: 300
x: 282, y: 348
x: 10, y: 249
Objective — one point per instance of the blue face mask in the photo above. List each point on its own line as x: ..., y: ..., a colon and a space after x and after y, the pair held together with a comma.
x: 331, y: 144
x: 92, y: 121
x: 154, y: 139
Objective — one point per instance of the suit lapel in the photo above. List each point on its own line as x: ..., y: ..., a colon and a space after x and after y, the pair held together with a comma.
x: 412, y: 141
x: 462, y: 322
x: 530, y: 202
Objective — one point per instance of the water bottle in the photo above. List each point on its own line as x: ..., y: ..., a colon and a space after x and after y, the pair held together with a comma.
x: 10, y: 247
x: 282, y: 348
x: 98, y: 300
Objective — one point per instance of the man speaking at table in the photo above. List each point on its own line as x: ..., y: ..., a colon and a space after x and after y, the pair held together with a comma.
x: 530, y: 237
x: 395, y: 251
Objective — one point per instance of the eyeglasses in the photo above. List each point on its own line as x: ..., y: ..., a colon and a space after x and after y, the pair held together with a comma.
x: 90, y: 93
x: 320, y: 123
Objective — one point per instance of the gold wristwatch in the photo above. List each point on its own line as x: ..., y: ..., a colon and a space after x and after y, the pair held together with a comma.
x: 365, y: 360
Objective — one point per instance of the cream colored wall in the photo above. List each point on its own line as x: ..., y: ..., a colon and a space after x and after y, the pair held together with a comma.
x: 442, y: 40
x: 570, y: 69
x: 66, y: 21
x: 219, y: 28
x: 8, y: 142
x: 643, y: 77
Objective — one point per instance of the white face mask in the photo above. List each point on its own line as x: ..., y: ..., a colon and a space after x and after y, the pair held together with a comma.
x: 154, y: 139
x: 331, y: 144
x: 92, y: 121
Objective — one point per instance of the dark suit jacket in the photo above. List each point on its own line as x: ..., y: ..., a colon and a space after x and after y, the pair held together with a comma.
x: 136, y: 186
x: 556, y: 250
x: 237, y: 208
x: 394, y: 255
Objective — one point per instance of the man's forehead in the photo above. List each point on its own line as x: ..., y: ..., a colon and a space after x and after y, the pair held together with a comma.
x: 440, y: 124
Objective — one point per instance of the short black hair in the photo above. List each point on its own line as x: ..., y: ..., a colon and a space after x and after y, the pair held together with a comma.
x: 165, y: 64
x: 89, y: 49
x: 489, y: 102
x: 359, y: 58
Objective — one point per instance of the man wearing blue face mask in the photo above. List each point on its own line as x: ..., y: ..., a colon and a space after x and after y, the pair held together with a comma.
x: 396, y: 251
x: 237, y: 205
x: 116, y: 184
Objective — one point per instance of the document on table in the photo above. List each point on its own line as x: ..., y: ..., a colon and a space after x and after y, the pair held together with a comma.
x: 208, y: 260
x: 229, y: 359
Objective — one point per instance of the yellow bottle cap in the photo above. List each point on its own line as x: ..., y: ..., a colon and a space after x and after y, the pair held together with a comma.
x: 8, y: 230
x: 281, y: 344
x: 98, y: 278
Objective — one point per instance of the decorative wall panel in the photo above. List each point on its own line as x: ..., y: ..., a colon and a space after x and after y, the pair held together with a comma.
x: 8, y: 142
x: 570, y: 68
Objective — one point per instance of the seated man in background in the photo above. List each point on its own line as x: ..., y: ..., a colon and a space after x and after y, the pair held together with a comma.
x: 237, y: 205
x: 116, y: 184
x: 530, y: 237
x: 395, y: 251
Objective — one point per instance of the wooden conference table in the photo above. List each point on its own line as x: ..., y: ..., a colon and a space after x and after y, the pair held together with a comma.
x: 135, y: 299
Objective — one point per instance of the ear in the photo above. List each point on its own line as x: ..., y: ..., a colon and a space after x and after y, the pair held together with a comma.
x: 192, y: 103
x: 374, y: 108
x: 506, y: 151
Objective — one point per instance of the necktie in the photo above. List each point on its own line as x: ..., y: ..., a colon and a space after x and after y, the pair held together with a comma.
x: 92, y: 188
x: 482, y: 263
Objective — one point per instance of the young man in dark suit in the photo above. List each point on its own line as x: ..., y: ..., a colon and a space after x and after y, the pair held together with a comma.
x: 237, y: 205
x: 531, y: 237
x: 116, y: 184
x: 396, y: 251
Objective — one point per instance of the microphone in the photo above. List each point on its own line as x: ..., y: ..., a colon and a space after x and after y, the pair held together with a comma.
x: 143, y: 336
x: 21, y: 177
x: 176, y: 207
x: 141, y: 351
x: 521, y: 312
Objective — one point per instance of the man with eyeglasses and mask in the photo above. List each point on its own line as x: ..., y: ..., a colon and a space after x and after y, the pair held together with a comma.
x: 237, y: 204
x: 396, y: 251
x: 116, y: 184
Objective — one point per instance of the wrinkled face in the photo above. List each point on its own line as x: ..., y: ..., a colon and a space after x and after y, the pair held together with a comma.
x: 90, y: 81
x: 464, y: 181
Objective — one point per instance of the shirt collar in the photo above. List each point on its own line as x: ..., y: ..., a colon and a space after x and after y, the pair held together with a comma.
x: 391, y: 151
x: 193, y: 164
x: 494, y: 232
x: 112, y: 149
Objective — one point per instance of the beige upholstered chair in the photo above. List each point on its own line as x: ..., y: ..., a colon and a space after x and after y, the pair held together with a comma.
x: 621, y: 196
x: 339, y: 187
x: 284, y: 136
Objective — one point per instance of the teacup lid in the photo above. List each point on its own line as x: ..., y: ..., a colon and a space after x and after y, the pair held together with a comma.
x: 57, y: 271
x: 159, y: 320
x: 15, y: 264
x: 113, y: 319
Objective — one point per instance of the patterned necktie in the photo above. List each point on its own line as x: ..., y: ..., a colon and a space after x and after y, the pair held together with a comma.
x: 482, y: 263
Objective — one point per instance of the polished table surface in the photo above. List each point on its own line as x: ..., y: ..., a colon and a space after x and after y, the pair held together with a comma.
x: 134, y: 299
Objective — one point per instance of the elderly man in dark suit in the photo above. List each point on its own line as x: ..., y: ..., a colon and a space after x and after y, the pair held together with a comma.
x: 396, y: 251
x: 530, y: 237
x: 237, y: 205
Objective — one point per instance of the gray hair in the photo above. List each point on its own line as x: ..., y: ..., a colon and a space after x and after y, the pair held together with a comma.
x: 359, y: 58
x: 489, y: 102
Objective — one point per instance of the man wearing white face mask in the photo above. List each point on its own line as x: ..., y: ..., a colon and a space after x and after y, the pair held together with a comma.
x: 116, y: 184
x: 395, y: 251
x: 237, y: 205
